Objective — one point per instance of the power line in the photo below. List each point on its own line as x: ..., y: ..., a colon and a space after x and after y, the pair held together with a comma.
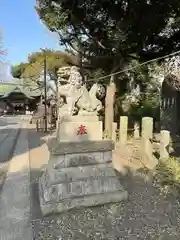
x: 103, y: 77
x: 131, y: 68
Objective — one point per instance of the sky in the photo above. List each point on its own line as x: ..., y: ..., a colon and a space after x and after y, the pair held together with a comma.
x: 22, y: 31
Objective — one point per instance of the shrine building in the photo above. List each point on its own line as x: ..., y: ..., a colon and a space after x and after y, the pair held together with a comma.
x: 17, y: 99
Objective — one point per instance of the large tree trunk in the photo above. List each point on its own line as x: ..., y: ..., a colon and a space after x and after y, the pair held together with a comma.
x: 109, y: 108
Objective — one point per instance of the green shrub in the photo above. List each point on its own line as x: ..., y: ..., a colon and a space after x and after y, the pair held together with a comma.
x: 167, y: 175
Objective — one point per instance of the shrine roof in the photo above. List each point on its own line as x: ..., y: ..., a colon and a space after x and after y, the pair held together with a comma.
x: 30, y: 91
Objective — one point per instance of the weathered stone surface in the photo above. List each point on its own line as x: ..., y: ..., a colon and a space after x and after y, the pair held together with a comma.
x: 114, y: 129
x: 123, y: 130
x: 79, y: 118
x: 148, y: 158
x: 107, y: 156
x: 82, y: 172
x: 164, y: 144
x: 82, y: 159
x: 147, y: 127
x: 79, y: 171
x: 78, y: 100
x: 56, y: 161
x: 86, y: 187
x: 82, y: 179
x: 79, y: 159
x: 60, y: 197
x: 109, y: 105
x: 68, y: 131
x: 87, y: 201
x: 136, y: 130
x: 57, y: 148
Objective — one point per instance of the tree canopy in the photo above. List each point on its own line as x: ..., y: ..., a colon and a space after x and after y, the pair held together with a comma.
x: 17, y: 70
x: 110, y: 32
x: 116, y: 34
x: 31, y: 69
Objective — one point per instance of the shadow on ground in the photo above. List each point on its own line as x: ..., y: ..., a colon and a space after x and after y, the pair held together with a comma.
x: 7, y: 136
x: 147, y: 214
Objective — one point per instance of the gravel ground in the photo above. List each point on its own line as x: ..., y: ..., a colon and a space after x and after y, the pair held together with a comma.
x: 147, y: 214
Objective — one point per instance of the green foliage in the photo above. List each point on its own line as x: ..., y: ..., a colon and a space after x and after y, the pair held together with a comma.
x: 4, y: 88
x: 95, y: 74
x: 18, y: 70
x: 31, y: 70
x: 148, y: 106
x: 114, y: 35
x: 108, y: 32
x: 167, y: 175
x: 144, y: 102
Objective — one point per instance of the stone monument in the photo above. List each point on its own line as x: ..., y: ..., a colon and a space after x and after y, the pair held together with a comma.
x: 79, y: 171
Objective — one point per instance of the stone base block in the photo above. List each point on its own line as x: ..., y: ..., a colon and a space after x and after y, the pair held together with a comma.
x: 73, y: 174
x: 79, y: 174
x: 69, y: 130
x: 88, y: 192
x: 79, y: 159
x: 90, y: 201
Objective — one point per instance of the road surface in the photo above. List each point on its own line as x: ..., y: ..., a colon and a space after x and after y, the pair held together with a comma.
x: 15, y: 190
x: 9, y: 130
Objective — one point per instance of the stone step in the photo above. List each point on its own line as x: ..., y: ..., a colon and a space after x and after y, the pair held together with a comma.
x: 85, y: 201
x: 85, y: 187
x: 88, y: 192
x: 79, y: 159
x: 79, y: 173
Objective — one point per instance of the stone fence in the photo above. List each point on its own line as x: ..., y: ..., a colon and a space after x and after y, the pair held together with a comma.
x: 161, y: 141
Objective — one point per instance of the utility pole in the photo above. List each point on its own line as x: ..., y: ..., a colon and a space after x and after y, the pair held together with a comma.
x: 45, y: 93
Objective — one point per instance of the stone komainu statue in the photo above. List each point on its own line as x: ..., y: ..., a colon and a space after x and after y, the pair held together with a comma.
x: 74, y: 98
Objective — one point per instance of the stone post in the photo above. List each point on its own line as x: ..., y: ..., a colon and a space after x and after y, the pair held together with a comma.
x: 123, y: 130
x: 109, y: 108
x: 146, y: 146
x: 136, y: 130
x: 164, y: 144
x: 148, y: 158
x: 114, y: 128
x: 147, y: 128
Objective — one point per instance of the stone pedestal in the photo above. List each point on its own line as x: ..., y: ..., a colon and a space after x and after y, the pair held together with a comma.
x: 79, y: 171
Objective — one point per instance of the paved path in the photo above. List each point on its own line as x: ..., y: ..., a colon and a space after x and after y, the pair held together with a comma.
x: 9, y: 131
x: 15, y: 195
